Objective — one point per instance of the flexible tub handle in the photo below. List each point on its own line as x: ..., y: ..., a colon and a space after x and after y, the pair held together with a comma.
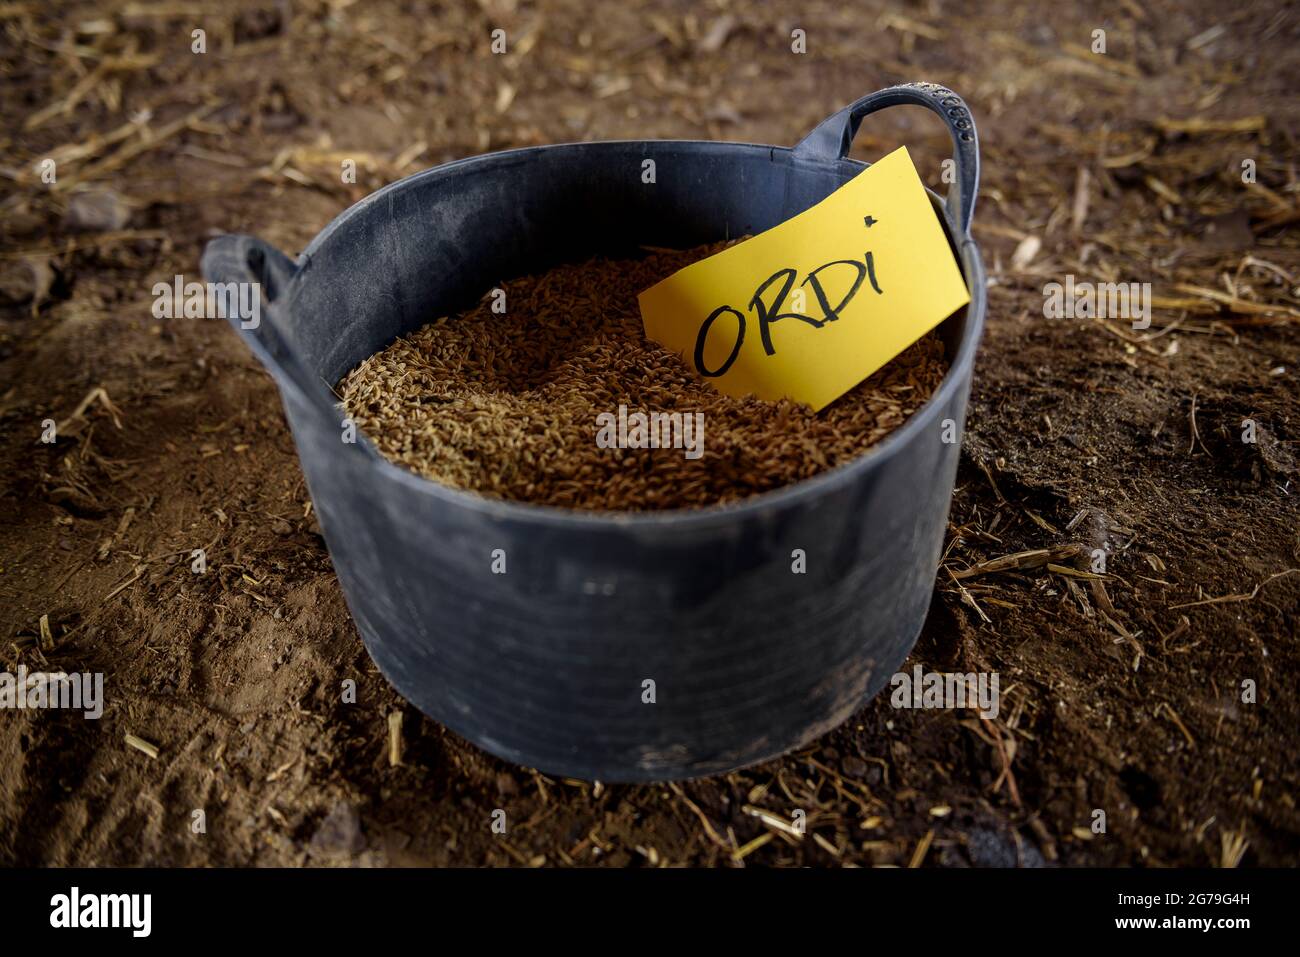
x: 233, y: 258
x: 831, y: 139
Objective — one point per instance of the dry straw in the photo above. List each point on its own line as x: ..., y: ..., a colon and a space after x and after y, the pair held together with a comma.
x: 506, y: 404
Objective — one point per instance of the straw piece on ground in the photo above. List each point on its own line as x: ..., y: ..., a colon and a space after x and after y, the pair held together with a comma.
x: 143, y: 746
x: 395, y: 738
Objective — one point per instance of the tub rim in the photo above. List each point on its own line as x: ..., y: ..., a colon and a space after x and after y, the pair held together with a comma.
x: 310, y: 389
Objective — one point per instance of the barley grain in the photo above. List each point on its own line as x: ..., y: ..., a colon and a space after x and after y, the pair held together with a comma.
x: 506, y: 404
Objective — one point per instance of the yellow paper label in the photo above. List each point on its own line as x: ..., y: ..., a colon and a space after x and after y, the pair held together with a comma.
x: 810, y: 308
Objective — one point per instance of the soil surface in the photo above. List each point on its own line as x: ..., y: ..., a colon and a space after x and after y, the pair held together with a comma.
x: 1160, y: 690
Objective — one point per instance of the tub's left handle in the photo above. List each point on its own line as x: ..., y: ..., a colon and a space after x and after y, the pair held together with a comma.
x: 270, y: 333
x: 834, y: 135
x: 234, y: 258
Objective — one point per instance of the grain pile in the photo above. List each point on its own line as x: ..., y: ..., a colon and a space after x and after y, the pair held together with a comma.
x: 507, y: 404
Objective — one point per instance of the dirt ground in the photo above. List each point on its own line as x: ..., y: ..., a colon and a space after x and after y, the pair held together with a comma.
x: 1122, y: 693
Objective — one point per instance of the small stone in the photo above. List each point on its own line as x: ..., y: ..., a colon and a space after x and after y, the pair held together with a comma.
x: 340, y: 832
x: 97, y: 210
x: 27, y: 280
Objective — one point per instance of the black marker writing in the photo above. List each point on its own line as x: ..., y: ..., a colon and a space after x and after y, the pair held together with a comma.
x: 769, y: 313
x: 704, y: 334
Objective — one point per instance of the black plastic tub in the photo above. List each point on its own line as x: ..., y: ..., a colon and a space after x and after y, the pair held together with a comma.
x: 549, y: 664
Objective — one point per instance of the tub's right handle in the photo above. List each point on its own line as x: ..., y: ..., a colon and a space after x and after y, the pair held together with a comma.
x: 833, y: 136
